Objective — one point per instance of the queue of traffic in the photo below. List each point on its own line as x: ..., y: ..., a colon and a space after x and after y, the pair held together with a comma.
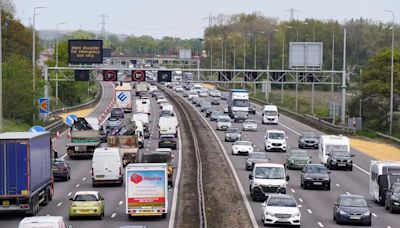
x: 267, y: 179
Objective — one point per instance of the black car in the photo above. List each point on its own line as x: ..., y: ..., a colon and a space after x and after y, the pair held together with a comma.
x: 205, y: 105
x: 167, y: 141
x: 117, y: 113
x: 214, y: 115
x: 215, y: 102
x: 240, y: 116
x: 352, y: 209
x: 61, y: 170
x: 209, y: 111
x: 340, y: 160
x: 392, y: 199
x: 308, y: 140
x: 315, y: 176
x: 252, y: 110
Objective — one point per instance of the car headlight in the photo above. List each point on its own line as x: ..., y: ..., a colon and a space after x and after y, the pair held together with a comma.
x: 291, y: 161
x: 326, y: 179
x: 349, y: 161
x: 235, y: 116
x: 74, y: 205
x: 307, y: 178
x: 342, y: 212
x: 267, y: 213
x: 296, y: 214
x: 368, y: 213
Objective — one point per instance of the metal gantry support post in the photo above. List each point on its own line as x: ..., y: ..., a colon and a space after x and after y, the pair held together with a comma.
x: 312, y: 97
x: 283, y: 63
x: 1, y: 74
x: 297, y: 90
x: 343, y: 111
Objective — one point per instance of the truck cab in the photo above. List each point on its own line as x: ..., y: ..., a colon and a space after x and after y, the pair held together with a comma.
x: 267, y: 178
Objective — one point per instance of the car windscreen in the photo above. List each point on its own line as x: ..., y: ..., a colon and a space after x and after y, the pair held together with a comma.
x: 156, y: 158
x: 340, y: 154
x: 276, y: 135
x: 232, y: 130
x: 271, y: 113
x: 315, y: 169
x: 216, y: 113
x: 224, y: 120
x: 281, y: 202
x: 299, y: 154
x: 165, y: 137
x: 353, y: 202
x: 269, y: 173
x: 112, y: 119
x: 206, y: 104
x: 85, y: 197
x: 117, y: 112
x: 249, y: 122
x: 243, y: 143
x: 58, y: 163
x: 396, y: 188
x: 308, y: 135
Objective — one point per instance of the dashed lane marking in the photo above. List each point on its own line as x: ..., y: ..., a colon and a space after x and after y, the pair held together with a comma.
x: 320, y: 224
x: 120, y: 202
x: 375, y: 215
x: 338, y: 185
x: 69, y: 194
x: 59, y: 204
x: 309, y: 211
x: 113, y: 215
x: 77, y: 186
x: 292, y: 190
x: 300, y: 199
x: 83, y: 179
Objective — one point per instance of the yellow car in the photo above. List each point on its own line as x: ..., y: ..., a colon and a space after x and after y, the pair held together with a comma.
x: 87, y: 203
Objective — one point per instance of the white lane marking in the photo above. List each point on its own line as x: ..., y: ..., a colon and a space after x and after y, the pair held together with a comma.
x: 338, y: 185
x: 300, y: 206
x: 90, y: 172
x: 59, y: 204
x: 300, y: 199
x: 83, y: 179
x: 363, y: 170
x: 348, y: 193
x: 113, y: 215
x: 292, y: 190
x: 120, y: 202
x: 389, y: 227
x: 309, y: 211
x: 69, y: 194
x: 77, y: 186
x: 176, y: 184
x: 375, y: 215
x: 147, y: 148
x: 65, y: 155
x: 320, y: 224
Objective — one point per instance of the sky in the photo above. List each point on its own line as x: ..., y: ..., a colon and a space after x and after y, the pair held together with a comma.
x: 187, y: 18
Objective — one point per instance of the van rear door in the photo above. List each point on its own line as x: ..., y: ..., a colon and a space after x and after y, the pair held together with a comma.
x: 106, y: 167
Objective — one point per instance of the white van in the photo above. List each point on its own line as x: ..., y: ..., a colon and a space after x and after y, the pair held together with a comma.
x: 275, y: 140
x: 329, y: 143
x: 143, y: 105
x: 140, y: 117
x: 167, y: 107
x: 152, y: 89
x: 267, y: 178
x: 168, y: 125
x: 270, y: 114
x: 44, y: 221
x: 107, y: 166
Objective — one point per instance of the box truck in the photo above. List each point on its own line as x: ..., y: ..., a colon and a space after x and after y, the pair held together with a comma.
x: 146, y: 189
x: 123, y: 97
x: 26, y: 179
x: 238, y: 100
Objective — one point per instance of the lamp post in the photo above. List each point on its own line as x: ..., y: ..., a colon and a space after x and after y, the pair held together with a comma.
x: 391, y: 77
x: 34, y: 59
x: 283, y: 59
x: 57, y: 63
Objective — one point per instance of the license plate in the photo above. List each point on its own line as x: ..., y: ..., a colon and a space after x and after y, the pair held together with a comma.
x: 6, y: 203
x: 341, y: 164
x: 99, y: 176
x: 84, y: 210
x: 167, y: 142
x: 146, y: 211
x: 355, y: 217
x: 282, y: 220
x: 317, y: 183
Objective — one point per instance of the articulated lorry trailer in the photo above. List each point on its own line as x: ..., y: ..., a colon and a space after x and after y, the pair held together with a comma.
x: 26, y: 179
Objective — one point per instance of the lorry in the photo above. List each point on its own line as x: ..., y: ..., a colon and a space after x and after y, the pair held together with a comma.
x: 146, y: 189
x: 140, y: 87
x: 238, y: 100
x: 143, y: 105
x: 161, y: 155
x: 128, y: 147
x: 26, y: 179
x: 84, y: 139
x: 123, y: 97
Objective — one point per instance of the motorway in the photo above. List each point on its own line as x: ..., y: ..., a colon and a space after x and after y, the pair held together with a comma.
x: 316, y: 205
x: 81, y: 180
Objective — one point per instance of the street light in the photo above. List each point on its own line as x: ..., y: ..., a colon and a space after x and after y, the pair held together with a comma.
x: 283, y: 57
x: 57, y: 62
x: 391, y: 77
x: 34, y: 58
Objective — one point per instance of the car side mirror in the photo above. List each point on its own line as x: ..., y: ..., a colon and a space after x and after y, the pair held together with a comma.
x: 287, y: 138
x: 302, y: 171
x: 251, y: 176
x: 71, y: 198
x: 287, y: 178
x: 329, y: 172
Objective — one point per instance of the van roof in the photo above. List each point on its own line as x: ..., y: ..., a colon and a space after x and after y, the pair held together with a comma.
x: 275, y: 131
x: 267, y: 164
x: 35, y: 219
x: 106, y: 149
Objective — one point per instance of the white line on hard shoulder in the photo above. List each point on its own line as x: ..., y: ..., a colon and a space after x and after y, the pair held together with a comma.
x: 309, y: 211
x: 320, y: 224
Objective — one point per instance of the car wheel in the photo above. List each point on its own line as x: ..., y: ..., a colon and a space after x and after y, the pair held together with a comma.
x: 328, y: 188
x: 338, y: 221
x: 351, y: 168
x: 71, y: 218
x: 391, y: 210
x: 301, y: 184
x: 254, y: 198
x: 334, y: 217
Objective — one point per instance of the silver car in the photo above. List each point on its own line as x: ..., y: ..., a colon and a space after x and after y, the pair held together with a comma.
x: 249, y: 125
x: 255, y: 157
x: 232, y: 134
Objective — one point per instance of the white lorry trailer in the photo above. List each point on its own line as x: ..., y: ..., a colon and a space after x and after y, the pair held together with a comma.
x: 123, y: 97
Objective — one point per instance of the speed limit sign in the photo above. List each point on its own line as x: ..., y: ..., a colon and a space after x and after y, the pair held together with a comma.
x: 110, y: 75
x: 138, y: 76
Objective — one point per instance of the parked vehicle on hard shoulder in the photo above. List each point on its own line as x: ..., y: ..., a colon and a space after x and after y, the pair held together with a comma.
x: 107, y: 167
x: 270, y: 114
x: 266, y: 179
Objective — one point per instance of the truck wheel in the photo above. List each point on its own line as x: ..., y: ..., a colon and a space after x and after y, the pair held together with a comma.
x: 164, y: 215
x: 46, y: 197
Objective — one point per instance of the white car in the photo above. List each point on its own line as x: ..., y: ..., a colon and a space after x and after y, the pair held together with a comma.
x: 223, y: 123
x: 43, y: 221
x: 275, y: 140
x: 281, y: 209
x: 242, y: 147
x: 193, y: 94
x: 215, y: 93
x: 161, y: 99
x: 179, y: 89
x: 249, y: 125
x: 203, y: 93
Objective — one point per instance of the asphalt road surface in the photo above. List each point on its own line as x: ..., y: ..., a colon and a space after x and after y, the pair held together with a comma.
x: 81, y: 180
